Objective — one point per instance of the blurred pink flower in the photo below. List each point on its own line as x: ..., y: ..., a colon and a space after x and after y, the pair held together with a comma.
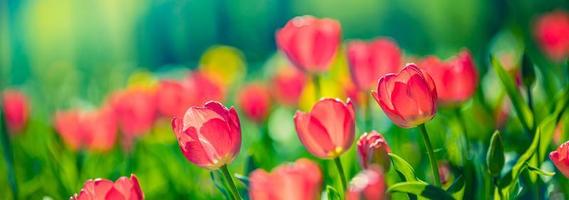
x: 254, y: 100
x: 93, y: 130
x: 560, y: 158
x: 102, y: 189
x: 16, y: 108
x: 287, y: 85
x: 368, y: 184
x: 373, y: 150
x: 173, y: 98
x: 135, y: 109
x: 204, y: 88
x: 552, y: 33
x: 369, y: 61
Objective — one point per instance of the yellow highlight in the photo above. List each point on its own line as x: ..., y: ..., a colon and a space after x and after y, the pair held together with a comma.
x: 224, y: 64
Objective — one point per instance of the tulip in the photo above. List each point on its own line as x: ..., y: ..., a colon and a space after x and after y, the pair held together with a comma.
x: 407, y: 98
x: 560, y: 158
x: 94, y: 130
x: 551, y: 31
x: 255, y: 101
x: 135, y: 109
x: 300, y: 180
x: 103, y: 189
x: 204, y: 88
x: 16, y: 107
x: 368, y: 184
x: 68, y: 125
x: 369, y: 61
x: 455, y: 80
x: 172, y: 98
x: 310, y: 43
x: 287, y: 84
x: 373, y: 150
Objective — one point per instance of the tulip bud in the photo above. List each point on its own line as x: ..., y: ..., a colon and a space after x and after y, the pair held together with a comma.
x: 528, y: 72
x: 368, y: 184
x: 327, y: 130
x: 15, y: 107
x: 495, y: 156
x: 560, y: 158
x: 373, y: 150
x: 254, y: 100
x: 103, y: 189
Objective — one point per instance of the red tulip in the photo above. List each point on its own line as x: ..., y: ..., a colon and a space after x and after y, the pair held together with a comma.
x: 407, y: 98
x: 560, y: 158
x: 102, y: 189
x: 288, y: 84
x: 369, y: 61
x: 300, y: 180
x: 373, y: 150
x: 173, y: 97
x: 203, y: 88
x: 455, y: 80
x: 94, y: 130
x: 68, y: 125
x: 368, y: 184
x: 209, y: 136
x: 552, y: 34
x: 135, y: 109
x: 310, y: 43
x: 16, y: 107
x: 328, y: 130
x: 255, y: 101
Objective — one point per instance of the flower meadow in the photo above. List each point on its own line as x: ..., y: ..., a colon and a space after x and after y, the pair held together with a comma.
x: 325, y: 116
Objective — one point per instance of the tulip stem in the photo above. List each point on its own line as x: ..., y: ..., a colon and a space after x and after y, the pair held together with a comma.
x: 8, y: 157
x: 368, y: 115
x: 232, y: 188
x: 316, y: 82
x: 431, y: 155
x: 341, y: 172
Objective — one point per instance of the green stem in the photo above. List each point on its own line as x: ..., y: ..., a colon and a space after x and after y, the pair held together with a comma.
x: 316, y: 82
x: 431, y: 154
x: 368, y: 115
x: 341, y: 172
x: 8, y: 157
x: 229, y: 179
x: 496, y: 187
x: 460, y: 119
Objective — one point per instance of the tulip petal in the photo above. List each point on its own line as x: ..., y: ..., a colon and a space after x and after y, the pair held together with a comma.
x: 216, y: 138
x: 403, y: 103
x: 307, y: 137
x: 419, y: 92
x: 333, y: 115
x: 115, y: 194
x: 194, y: 151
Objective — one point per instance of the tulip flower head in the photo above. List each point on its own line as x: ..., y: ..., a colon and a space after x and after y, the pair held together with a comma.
x: 327, y: 130
x: 209, y: 135
x: 135, y: 109
x: 93, y: 130
x: 407, y: 98
x: 255, y: 101
x: 173, y: 97
x: 373, y: 150
x: 455, y: 79
x: 369, y: 61
x: 552, y: 34
x: 368, y: 184
x: 15, y: 107
x: 287, y: 84
x: 103, y: 189
x: 310, y: 43
x: 203, y: 87
x: 300, y: 180
x: 560, y: 158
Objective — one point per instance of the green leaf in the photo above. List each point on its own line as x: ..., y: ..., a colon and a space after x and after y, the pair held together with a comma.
x: 243, y: 179
x: 539, y: 171
x: 332, y: 193
x: 522, y: 109
x: 495, y: 156
x: 421, y: 189
x: 403, y: 167
x: 546, y: 129
x: 220, y: 186
x: 456, y: 189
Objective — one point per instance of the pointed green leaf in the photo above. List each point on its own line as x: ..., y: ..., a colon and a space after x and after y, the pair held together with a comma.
x: 421, y: 189
x: 332, y: 193
x: 456, y: 189
x: 539, y: 171
x: 403, y: 167
x: 495, y: 156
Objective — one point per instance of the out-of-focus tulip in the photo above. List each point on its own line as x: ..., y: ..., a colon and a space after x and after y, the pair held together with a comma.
x: 135, y: 109
x: 552, y: 34
x: 288, y: 84
x: 173, y: 97
x: 560, y: 158
x: 16, y: 107
x: 368, y: 184
x: 209, y: 135
x: 93, y: 130
x: 102, y: 189
x: 255, y: 101
x: 310, y: 43
x: 369, y: 61
x: 444, y: 171
x: 327, y: 130
x: 204, y: 88
x: 455, y: 79
x: 68, y: 125
x: 407, y: 98
x: 373, y: 150
x: 300, y: 180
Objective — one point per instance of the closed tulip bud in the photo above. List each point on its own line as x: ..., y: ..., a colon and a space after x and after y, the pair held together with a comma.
x: 551, y: 31
x: 287, y: 85
x: 209, y: 135
x: 367, y: 185
x: 310, y: 43
x: 528, y: 73
x: 373, y: 150
x: 495, y: 156
x: 103, y: 189
x: 327, y: 130
x: 560, y: 158
x: 15, y: 107
x: 455, y: 79
x: 407, y: 98
x: 300, y: 180
x: 369, y: 61
x: 255, y: 101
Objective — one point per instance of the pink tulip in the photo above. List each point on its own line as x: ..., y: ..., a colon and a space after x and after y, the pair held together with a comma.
x: 204, y: 88
x: 93, y: 130
x: 135, y: 109
x: 373, y: 150
x: 369, y: 61
x: 310, y: 43
x: 327, y: 130
x: 287, y: 85
x: 407, y: 98
x: 552, y: 34
x: 173, y: 97
x: 102, y: 189
x: 68, y: 125
x: 455, y: 80
x: 209, y: 135
x: 16, y: 107
x: 300, y: 181
x: 560, y: 158
x: 368, y: 184
x: 255, y: 101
